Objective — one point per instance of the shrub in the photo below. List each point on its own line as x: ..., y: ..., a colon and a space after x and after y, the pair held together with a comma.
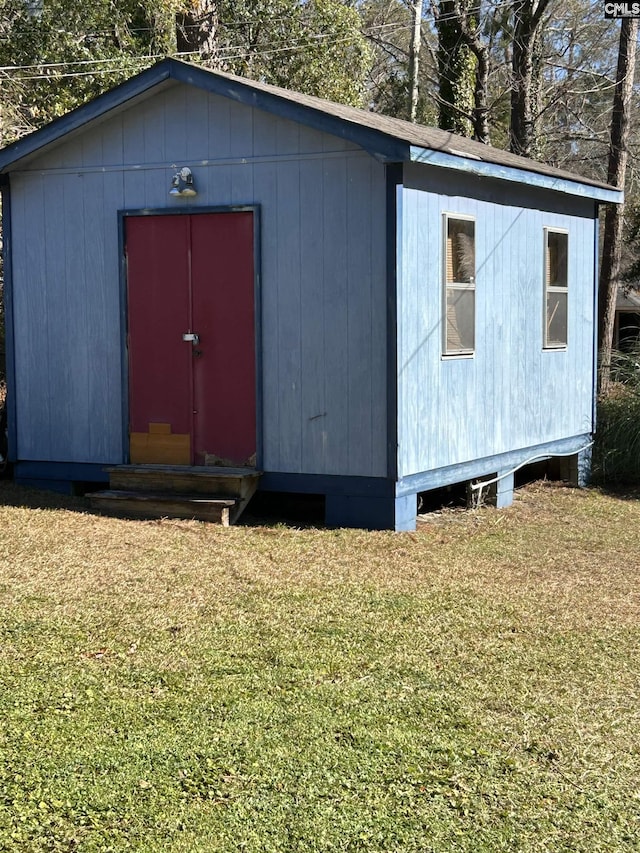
x: 616, y: 452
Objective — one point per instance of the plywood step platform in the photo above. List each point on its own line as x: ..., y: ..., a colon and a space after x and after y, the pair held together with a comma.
x: 213, y: 494
x: 228, y: 482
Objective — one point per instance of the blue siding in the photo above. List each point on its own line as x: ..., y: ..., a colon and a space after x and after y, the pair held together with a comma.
x: 68, y: 395
x: 322, y: 269
x: 336, y: 321
x: 31, y: 333
x: 312, y: 345
x: 288, y: 333
x: 511, y: 394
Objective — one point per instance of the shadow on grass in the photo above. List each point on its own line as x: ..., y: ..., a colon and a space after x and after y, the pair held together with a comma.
x: 621, y: 491
x: 20, y: 496
x: 264, y: 510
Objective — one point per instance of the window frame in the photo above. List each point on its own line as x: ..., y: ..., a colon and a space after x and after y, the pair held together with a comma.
x: 470, y: 286
x: 554, y: 288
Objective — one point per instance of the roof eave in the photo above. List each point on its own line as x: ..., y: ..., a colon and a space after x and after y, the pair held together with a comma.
x: 508, y: 173
x: 96, y: 108
x: 385, y: 147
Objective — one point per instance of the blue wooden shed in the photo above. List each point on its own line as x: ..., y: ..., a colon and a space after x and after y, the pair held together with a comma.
x: 401, y: 309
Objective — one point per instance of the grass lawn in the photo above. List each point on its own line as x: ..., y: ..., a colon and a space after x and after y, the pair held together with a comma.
x: 173, y: 686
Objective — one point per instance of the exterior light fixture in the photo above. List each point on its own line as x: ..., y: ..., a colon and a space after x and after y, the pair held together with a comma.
x: 182, y: 184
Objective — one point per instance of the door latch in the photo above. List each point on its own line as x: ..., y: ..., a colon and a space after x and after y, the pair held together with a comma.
x: 191, y: 336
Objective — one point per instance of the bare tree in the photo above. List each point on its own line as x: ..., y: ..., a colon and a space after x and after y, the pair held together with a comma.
x: 614, y: 216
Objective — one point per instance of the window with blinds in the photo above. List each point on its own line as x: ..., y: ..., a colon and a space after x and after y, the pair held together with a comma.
x: 459, y: 285
x: 556, y: 266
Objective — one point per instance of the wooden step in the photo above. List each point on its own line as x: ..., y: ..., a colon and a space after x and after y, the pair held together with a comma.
x: 137, y: 504
x: 235, y: 484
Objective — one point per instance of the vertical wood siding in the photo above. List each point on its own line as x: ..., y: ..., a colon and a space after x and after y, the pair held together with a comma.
x: 511, y: 394
x: 322, y: 277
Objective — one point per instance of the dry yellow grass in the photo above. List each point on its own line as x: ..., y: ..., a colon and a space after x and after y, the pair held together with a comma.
x: 573, y: 555
x: 472, y: 686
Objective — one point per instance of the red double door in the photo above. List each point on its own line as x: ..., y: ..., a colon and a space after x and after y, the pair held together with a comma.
x: 191, y: 338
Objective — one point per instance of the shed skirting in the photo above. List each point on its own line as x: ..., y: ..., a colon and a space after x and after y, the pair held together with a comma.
x: 375, y: 503
x: 491, y: 465
x: 382, y: 504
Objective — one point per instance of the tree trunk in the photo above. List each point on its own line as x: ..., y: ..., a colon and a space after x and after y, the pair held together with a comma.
x: 481, y: 108
x: 197, y: 31
x: 614, y: 216
x: 456, y: 71
x: 414, y: 59
x: 525, y: 74
x: 465, y: 58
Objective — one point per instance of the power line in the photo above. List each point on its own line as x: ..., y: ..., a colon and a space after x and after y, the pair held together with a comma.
x: 226, y: 53
x: 73, y: 63
x: 394, y: 27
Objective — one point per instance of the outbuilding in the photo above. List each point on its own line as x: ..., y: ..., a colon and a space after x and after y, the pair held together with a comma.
x: 204, y: 270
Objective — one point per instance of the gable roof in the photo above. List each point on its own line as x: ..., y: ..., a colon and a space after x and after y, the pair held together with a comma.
x: 388, y: 139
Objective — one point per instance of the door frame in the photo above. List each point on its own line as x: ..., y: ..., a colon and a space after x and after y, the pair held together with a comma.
x: 123, y: 215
